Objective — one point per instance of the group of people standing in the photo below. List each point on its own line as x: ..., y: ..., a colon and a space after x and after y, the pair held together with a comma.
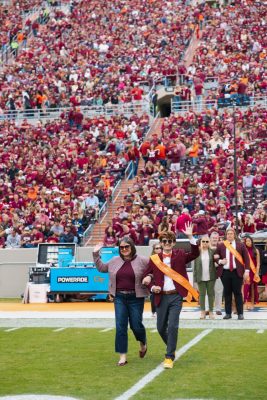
x: 134, y: 277
x: 230, y: 268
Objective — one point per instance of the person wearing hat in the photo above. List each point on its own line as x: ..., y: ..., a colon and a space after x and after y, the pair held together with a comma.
x: 200, y: 223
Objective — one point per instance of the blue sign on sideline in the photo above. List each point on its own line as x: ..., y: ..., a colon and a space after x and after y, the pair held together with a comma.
x: 81, y: 280
x: 82, y: 277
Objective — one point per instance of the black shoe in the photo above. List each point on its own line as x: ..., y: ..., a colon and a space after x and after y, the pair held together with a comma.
x: 227, y: 316
x: 240, y: 316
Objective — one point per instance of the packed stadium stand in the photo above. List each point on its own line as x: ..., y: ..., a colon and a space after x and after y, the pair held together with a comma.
x: 86, y: 153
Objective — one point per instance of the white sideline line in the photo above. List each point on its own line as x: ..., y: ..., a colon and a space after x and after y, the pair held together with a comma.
x: 59, y: 330
x: 159, y: 369
x: 260, y: 331
x: 106, y: 330
x: 11, y: 329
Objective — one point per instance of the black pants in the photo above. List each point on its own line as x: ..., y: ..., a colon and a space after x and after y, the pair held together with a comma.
x: 168, y: 313
x: 232, y: 284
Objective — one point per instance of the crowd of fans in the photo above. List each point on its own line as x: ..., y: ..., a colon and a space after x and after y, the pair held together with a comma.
x: 189, y: 176
x: 15, y: 21
x: 232, y: 51
x: 54, y: 176
x: 88, y: 57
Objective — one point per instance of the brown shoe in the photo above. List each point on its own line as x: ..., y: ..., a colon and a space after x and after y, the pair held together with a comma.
x: 142, y: 353
x: 218, y: 313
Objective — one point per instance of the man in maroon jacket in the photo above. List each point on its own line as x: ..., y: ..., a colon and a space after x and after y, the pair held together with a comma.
x: 169, y: 293
x: 231, y: 271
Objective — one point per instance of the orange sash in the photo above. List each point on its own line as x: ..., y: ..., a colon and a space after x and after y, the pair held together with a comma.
x: 176, y: 277
x: 234, y: 252
x: 254, y: 270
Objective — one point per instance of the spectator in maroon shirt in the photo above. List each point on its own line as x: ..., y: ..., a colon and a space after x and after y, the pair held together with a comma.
x: 200, y: 223
x: 37, y: 237
x: 181, y: 222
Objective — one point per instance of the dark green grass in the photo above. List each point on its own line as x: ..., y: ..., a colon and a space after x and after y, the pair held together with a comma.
x: 228, y: 365
x: 74, y: 362
x: 224, y: 365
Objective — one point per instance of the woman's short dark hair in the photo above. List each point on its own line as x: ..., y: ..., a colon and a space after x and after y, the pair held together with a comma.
x: 129, y: 241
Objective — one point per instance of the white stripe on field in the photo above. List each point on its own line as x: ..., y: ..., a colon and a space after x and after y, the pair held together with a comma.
x: 59, y: 330
x: 11, y: 329
x: 106, y: 330
x: 154, y: 331
x: 159, y: 369
x: 260, y: 331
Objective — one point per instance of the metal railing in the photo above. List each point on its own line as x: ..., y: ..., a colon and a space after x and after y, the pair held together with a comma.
x: 126, y: 109
x: 201, y: 104
x: 128, y: 173
x: 87, y: 233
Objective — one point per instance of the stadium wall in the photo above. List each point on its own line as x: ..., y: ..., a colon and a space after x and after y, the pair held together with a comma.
x: 15, y: 264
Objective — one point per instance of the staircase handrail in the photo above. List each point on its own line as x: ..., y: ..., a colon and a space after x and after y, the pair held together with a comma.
x: 128, y: 171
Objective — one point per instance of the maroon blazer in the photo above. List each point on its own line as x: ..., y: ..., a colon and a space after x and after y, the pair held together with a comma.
x: 240, y: 269
x: 179, y: 259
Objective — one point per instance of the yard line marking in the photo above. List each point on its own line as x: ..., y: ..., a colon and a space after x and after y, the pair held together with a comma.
x: 11, y: 329
x: 59, y: 330
x: 159, y: 369
x: 260, y: 331
x: 154, y: 330
x: 106, y: 330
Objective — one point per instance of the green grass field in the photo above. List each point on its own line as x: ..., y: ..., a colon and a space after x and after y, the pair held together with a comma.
x: 81, y: 363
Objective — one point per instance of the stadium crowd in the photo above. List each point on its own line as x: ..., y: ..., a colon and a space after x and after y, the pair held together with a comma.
x: 88, y: 57
x: 62, y: 172
x: 56, y: 175
x: 189, y: 176
x: 231, y: 56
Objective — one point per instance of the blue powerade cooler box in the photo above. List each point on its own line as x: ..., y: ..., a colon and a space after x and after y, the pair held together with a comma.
x: 82, y: 277
x: 106, y: 253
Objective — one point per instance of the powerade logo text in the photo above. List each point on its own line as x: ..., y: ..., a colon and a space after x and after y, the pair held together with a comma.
x: 72, y: 279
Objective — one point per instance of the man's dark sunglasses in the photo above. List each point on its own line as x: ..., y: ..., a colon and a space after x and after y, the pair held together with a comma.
x: 165, y: 241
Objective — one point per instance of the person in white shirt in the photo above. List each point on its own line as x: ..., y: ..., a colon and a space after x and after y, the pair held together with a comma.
x: 205, y: 276
x: 167, y: 291
x: 233, y: 268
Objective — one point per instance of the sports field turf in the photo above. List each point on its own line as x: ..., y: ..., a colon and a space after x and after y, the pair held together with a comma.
x: 81, y: 363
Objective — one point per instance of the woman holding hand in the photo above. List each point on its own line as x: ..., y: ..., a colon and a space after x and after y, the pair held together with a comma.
x: 125, y: 285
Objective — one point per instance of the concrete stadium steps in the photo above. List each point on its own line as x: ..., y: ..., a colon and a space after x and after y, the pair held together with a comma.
x: 98, y: 232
